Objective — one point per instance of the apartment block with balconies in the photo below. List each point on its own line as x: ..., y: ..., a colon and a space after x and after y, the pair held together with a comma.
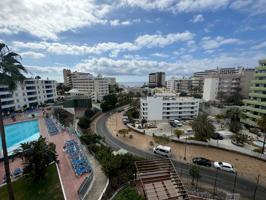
x: 167, y: 106
x: 31, y: 93
x: 255, y: 106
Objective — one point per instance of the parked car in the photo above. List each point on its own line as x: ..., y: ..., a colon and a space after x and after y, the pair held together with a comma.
x: 178, y: 123
x: 224, y: 166
x: 162, y: 150
x: 217, y: 136
x: 173, y: 124
x: 202, y: 161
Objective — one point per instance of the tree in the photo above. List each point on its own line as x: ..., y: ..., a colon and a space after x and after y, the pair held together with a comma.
x: 11, y: 73
x: 143, y: 121
x: 194, y: 173
x: 109, y: 102
x: 123, y: 132
x: 178, y: 133
x: 203, y: 128
x: 183, y: 94
x: 89, y: 113
x: 235, y: 126
x: 262, y: 124
x: 84, y: 123
x: 37, y: 156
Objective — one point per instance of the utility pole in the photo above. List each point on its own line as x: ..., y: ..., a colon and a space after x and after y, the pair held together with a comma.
x: 255, y: 191
x: 235, y: 183
x: 185, y: 153
x: 215, y: 180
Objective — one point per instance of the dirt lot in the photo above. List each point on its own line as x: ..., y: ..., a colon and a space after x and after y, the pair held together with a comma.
x: 246, y: 166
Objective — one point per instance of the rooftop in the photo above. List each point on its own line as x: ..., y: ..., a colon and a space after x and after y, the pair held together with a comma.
x: 159, y: 180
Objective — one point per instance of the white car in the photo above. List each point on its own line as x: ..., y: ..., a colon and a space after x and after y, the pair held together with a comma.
x: 162, y: 150
x: 224, y: 166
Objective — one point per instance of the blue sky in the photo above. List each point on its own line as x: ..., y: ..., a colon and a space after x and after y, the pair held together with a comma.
x: 130, y: 38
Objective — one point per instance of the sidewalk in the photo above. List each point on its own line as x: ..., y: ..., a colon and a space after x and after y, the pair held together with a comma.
x: 100, y: 180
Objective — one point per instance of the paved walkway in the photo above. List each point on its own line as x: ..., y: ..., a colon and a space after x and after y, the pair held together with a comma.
x: 99, y: 183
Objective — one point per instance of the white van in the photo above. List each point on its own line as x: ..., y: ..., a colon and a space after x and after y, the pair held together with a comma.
x: 162, y: 150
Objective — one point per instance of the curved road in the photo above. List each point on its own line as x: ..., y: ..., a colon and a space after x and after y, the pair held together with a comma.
x: 224, y: 180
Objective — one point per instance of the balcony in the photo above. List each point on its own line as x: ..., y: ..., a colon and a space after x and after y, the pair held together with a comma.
x: 255, y: 109
x: 257, y: 95
x: 259, y: 81
x: 254, y: 102
x: 260, y: 75
x: 258, y: 88
x: 261, y: 68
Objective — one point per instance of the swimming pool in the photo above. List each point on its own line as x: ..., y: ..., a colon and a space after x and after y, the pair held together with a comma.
x: 259, y: 143
x: 20, y: 132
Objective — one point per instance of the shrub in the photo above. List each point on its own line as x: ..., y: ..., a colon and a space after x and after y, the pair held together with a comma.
x: 84, y: 123
x: 89, y: 113
x: 130, y: 136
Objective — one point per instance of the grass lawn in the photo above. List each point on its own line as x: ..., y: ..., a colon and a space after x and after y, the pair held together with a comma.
x: 47, y: 189
x: 128, y: 193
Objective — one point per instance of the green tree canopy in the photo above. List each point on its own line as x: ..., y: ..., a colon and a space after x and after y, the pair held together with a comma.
x: 37, y: 156
x: 84, y: 123
x: 203, y: 128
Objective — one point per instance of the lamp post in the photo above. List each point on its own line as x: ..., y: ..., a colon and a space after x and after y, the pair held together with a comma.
x: 185, y: 153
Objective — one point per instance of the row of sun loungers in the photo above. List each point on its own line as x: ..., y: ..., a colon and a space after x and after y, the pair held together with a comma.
x: 79, y: 162
x: 52, y: 129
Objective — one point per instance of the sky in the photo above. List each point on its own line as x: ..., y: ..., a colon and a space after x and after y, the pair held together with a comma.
x: 128, y: 39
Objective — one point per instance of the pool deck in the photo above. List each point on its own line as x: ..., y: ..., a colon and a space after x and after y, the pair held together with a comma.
x: 70, y: 181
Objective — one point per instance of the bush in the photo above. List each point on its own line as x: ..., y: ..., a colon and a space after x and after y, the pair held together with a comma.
x: 130, y: 136
x: 89, y: 113
x: 84, y: 123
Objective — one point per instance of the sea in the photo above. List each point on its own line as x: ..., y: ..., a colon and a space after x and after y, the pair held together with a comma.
x: 131, y: 84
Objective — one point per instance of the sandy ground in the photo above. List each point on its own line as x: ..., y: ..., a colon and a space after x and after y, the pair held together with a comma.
x: 70, y: 181
x: 246, y: 166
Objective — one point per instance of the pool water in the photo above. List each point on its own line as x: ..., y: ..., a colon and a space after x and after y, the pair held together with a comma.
x: 20, y: 132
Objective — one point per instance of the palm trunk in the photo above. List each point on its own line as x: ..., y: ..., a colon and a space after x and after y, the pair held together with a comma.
x: 6, y: 161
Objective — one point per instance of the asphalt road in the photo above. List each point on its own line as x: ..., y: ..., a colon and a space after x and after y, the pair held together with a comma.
x: 224, y: 180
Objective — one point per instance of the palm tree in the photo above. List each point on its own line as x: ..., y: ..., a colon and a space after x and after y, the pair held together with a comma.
x: 37, y: 157
x: 194, y: 173
x: 178, y: 133
x: 262, y: 124
x: 11, y: 72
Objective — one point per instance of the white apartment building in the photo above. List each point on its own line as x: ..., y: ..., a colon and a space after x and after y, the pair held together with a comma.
x: 93, y: 87
x: 210, y: 89
x: 167, y: 106
x: 31, y: 93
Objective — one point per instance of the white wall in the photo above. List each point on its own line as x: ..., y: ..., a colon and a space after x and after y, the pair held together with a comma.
x: 155, y: 108
x: 210, y: 89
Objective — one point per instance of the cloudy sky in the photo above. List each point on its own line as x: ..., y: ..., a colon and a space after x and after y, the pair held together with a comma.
x: 130, y: 38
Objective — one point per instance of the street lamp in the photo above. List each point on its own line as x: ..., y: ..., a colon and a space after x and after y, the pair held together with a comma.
x: 185, y: 149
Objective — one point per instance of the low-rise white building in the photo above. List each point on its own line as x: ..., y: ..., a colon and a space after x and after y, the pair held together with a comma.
x: 168, y: 106
x: 31, y: 93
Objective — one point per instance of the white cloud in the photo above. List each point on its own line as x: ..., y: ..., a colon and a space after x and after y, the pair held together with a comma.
x: 143, y: 41
x: 259, y: 46
x: 198, y: 18
x: 45, y: 19
x: 208, y: 43
x: 32, y: 54
x: 176, y: 5
x: 117, y: 22
x: 161, y: 55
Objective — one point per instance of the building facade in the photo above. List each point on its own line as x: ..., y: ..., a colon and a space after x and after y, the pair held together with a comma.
x: 67, y: 77
x: 31, y: 93
x: 255, y: 106
x: 210, y: 90
x: 93, y: 87
x: 230, y: 81
x: 156, y: 79
x: 167, y: 106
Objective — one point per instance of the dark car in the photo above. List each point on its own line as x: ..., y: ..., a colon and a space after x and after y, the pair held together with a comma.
x: 217, y: 136
x: 202, y: 161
